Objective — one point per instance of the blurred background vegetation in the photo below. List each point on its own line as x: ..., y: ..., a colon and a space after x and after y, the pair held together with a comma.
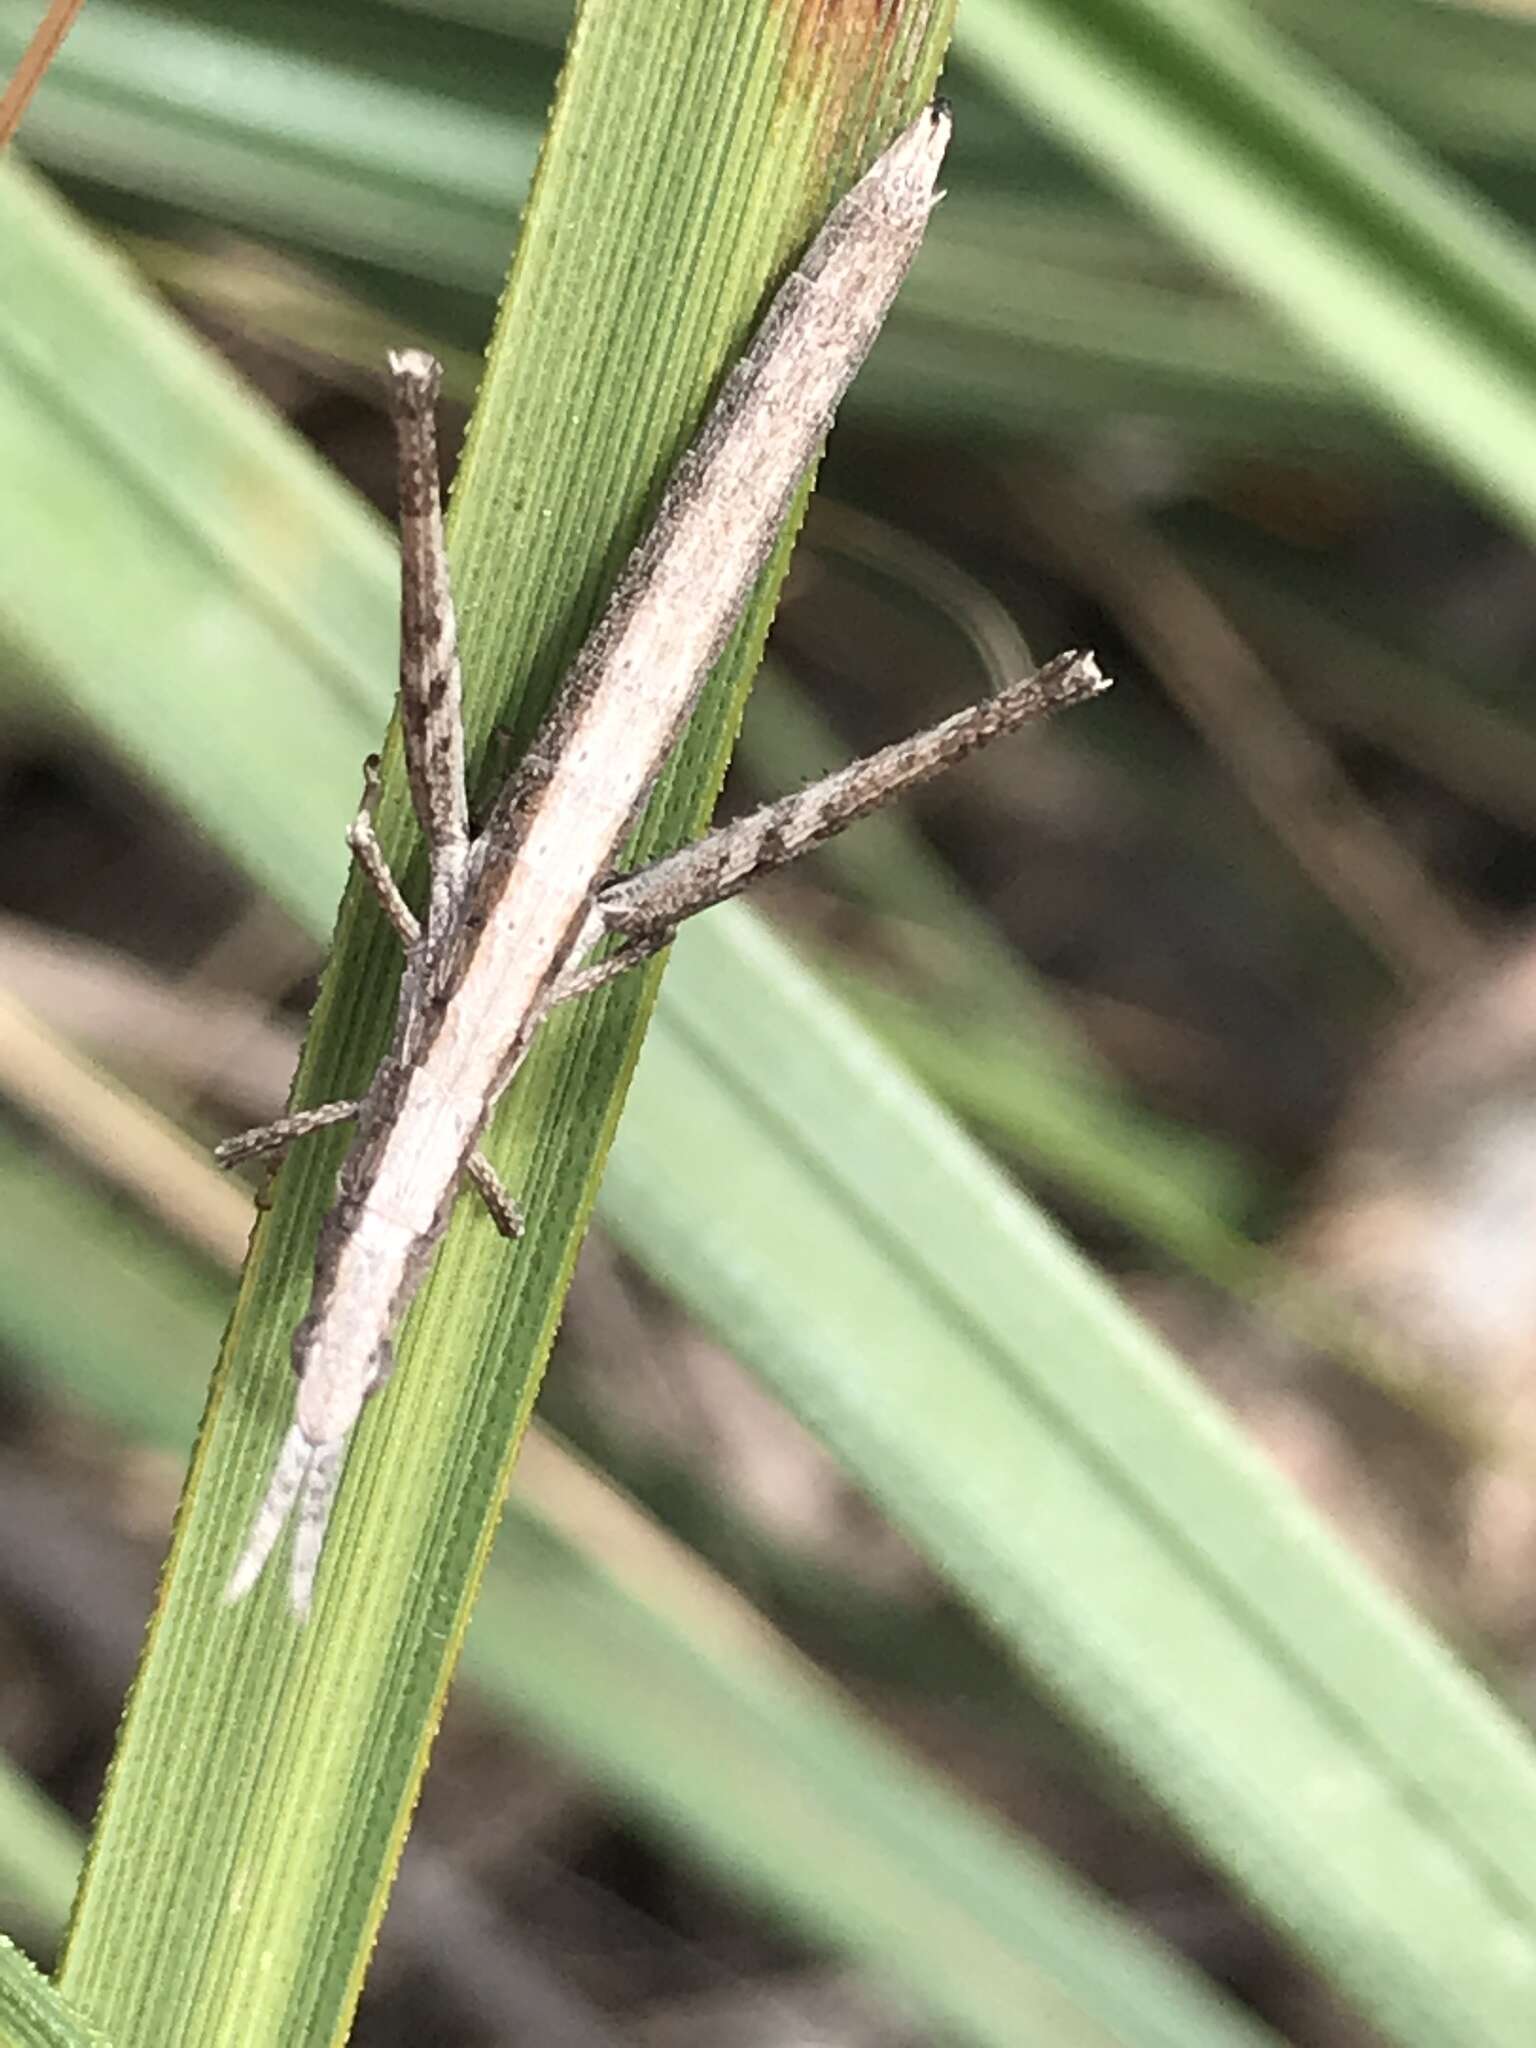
x: 1222, y: 360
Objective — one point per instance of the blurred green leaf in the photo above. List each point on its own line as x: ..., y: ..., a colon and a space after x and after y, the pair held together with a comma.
x: 39, y: 1855
x: 796, y: 1190
x: 1306, y: 197
x: 728, y: 1743
x: 396, y: 140
x: 1141, y: 1562
x: 32, y: 2014
x: 410, y: 187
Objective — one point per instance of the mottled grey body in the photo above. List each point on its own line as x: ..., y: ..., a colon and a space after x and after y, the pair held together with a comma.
x: 513, y: 912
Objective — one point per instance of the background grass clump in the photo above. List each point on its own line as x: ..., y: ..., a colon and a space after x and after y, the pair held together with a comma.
x: 1039, y: 1439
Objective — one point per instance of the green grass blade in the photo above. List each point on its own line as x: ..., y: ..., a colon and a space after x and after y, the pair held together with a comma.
x: 724, y: 1732
x: 1456, y: 75
x: 32, y: 2014
x: 1151, y: 1178
x: 1307, y: 197
x: 1037, y: 1444
x: 1240, y: 140
x: 39, y: 1855
x: 780, y: 1773
x: 224, y: 582
x: 287, y: 145
x: 363, y: 131
x: 265, y: 1776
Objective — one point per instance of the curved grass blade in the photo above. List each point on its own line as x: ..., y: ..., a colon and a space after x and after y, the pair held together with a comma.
x: 1132, y: 1552
x: 1412, y: 286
